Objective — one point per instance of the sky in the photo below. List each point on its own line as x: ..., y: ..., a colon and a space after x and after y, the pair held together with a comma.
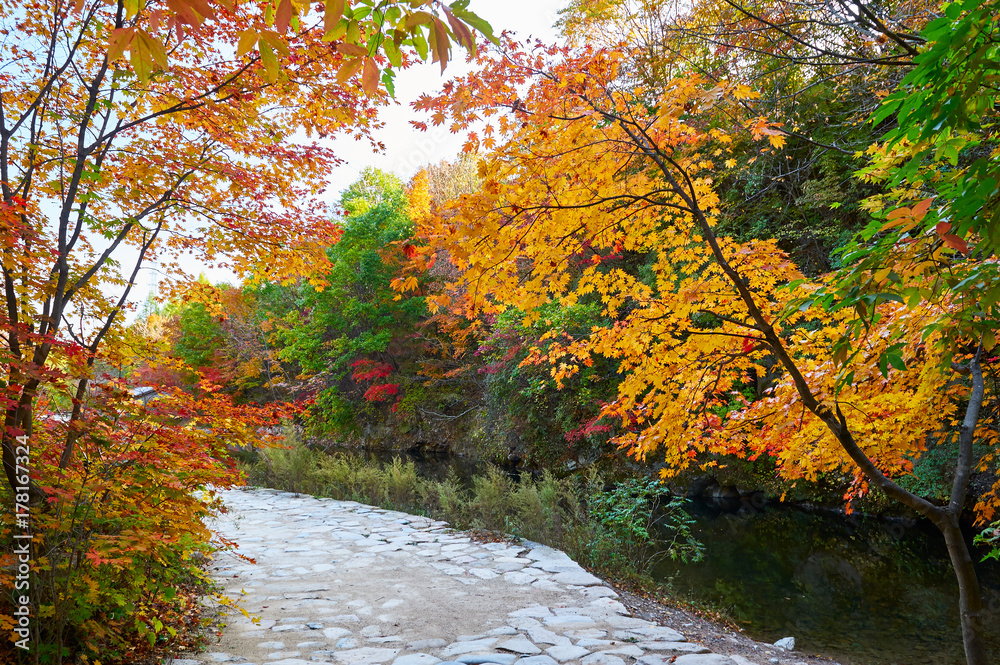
x: 408, y: 149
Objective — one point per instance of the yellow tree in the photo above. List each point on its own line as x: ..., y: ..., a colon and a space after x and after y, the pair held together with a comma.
x: 584, y: 179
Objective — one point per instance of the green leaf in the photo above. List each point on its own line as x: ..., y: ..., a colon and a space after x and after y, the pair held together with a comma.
x: 270, y: 62
x: 391, y: 51
x: 459, y: 9
x: 389, y: 83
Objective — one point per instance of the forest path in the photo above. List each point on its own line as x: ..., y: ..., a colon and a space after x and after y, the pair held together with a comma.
x: 349, y: 584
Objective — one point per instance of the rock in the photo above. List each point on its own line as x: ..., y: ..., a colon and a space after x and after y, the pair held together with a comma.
x: 459, y: 648
x: 305, y: 645
x: 503, y: 630
x: 344, y: 618
x: 786, y: 643
x: 480, y: 658
x: 432, y: 643
x: 518, y: 578
x: 609, y: 605
x: 558, y: 566
x: 673, y: 647
x: 417, y: 659
x: 629, y: 650
x: 581, y: 578
x: 335, y: 633
x: 627, y: 622
x: 599, y: 592
x: 519, y: 645
x: 271, y: 645
x: 538, y: 660
x: 283, y: 654
x: 289, y: 627
x: 541, y: 635
x: 740, y: 660
x: 219, y: 657
x: 574, y: 620
x: 539, y: 552
x: 183, y: 661
x: 314, y: 625
x: 602, y: 659
x: 703, y: 659
x: 566, y: 652
x: 483, y: 573
x: 347, y: 643
x: 366, y: 656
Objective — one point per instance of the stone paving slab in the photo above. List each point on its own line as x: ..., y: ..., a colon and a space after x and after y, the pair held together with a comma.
x: 342, y: 583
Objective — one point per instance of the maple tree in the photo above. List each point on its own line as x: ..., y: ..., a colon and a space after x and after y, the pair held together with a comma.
x: 584, y: 178
x: 137, y: 134
x: 820, y: 69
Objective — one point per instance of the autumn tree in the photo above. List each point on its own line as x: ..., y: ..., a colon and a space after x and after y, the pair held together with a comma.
x: 820, y: 70
x: 852, y: 383
x: 134, y: 133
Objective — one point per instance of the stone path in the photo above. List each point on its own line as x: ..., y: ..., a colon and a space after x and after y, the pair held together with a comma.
x: 343, y: 583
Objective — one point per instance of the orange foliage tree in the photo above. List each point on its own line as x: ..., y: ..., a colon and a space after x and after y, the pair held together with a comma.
x: 140, y: 132
x: 584, y: 175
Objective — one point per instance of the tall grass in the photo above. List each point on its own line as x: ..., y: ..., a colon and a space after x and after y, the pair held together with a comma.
x: 598, y: 525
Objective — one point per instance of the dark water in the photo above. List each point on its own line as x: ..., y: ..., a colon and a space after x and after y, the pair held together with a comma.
x: 860, y: 590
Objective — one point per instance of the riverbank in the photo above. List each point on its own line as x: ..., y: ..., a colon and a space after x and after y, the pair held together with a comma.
x: 857, y: 589
x: 342, y: 582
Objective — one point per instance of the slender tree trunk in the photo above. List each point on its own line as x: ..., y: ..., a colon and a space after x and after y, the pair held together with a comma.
x: 970, y: 602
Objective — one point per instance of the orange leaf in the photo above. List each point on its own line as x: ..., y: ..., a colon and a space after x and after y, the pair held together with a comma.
x: 352, y: 49
x: 461, y: 31
x: 369, y: 77
x: 898, y: 212
x: 921, y: 208
x: 334, y: 10
x: 119, y: 41
x: 955, y: 242
x: 185, y: 12
x: 284, y: 16
x: 942, y: 228
x: 906, y: 222
x: 247, y: 40
x: 349, y: 69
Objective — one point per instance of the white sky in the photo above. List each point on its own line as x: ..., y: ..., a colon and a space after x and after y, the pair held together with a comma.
x: 407, y: 149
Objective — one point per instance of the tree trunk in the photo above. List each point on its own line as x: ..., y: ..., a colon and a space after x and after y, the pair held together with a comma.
x: 970, y: 602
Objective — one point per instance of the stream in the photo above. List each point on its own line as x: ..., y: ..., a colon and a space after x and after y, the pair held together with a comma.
x: 861, y: 590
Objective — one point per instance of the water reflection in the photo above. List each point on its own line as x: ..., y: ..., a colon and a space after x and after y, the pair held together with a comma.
x: 863, y: 591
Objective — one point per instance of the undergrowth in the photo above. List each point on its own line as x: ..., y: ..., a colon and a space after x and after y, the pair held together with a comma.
x: 619, y: 529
